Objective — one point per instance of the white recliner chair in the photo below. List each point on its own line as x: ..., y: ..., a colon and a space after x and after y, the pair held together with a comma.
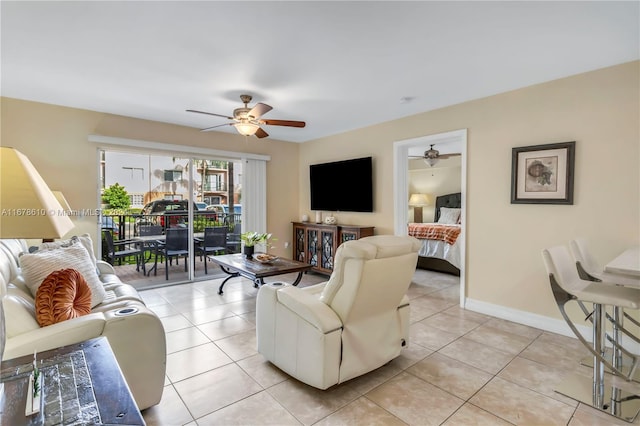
x: 354, y: 323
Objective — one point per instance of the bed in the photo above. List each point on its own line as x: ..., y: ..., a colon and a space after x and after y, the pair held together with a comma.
x: 441, y: 240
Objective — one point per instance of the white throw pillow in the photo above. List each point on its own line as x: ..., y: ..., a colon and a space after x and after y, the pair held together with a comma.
x: 84, y: 239
x: 449, y: 215
x: 37, y: 266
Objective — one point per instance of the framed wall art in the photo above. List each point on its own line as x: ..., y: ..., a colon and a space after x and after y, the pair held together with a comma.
x: 543, y: 174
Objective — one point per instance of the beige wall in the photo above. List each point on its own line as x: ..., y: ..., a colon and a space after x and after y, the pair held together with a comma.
x: 599, y: 110
x: 55, y: 139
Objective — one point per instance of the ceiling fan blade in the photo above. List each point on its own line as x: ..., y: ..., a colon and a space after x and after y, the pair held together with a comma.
x: 445, y: 156
x: 261, y: 133
x: 210, y: 113
x: 259, y: 109
x: 289, y: 123
x: 215, y: 127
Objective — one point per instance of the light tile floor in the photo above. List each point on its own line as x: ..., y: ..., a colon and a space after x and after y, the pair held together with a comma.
x: 461, y: 367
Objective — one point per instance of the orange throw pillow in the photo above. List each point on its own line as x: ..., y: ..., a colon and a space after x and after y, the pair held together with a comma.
x: 63, y: 295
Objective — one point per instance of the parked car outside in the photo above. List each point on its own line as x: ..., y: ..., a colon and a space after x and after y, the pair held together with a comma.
x: 224, y: 208
x: 201, y: 206
x: 108, y: 223
x: 166, y: 213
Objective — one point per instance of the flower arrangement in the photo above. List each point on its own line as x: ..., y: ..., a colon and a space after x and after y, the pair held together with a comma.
x: 250, y: 239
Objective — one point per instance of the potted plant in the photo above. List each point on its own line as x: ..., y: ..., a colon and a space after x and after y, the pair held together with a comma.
x: 250, y: 239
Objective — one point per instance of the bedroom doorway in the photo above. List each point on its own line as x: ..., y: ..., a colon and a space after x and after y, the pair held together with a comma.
x: 401, y: 186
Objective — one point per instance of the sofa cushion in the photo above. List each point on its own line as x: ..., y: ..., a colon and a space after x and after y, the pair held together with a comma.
x: 63, y: 295
x: 36, y: 266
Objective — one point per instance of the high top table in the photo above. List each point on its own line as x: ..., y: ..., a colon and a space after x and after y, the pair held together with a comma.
x: 627, y: 263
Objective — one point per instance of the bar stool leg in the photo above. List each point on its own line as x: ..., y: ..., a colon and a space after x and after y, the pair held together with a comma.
x: 598, y: 347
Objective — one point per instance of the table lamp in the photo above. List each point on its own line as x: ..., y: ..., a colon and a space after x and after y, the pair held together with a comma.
x: 28, y: 209
x: 63, y: 201
x: 417, y: 201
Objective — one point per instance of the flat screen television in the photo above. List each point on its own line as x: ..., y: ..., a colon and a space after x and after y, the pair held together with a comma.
x: 345, y: 186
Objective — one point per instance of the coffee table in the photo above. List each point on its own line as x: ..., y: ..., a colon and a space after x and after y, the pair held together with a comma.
x: 238, y: 265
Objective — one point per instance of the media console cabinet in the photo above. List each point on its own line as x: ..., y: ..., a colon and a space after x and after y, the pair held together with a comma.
x: 316, y: 243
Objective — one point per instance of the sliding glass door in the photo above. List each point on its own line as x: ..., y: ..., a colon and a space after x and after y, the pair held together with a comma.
x: 164, y: 210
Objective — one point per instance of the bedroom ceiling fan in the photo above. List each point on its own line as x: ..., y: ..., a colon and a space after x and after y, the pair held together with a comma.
x: 247, y: 120
x: 431, y: 156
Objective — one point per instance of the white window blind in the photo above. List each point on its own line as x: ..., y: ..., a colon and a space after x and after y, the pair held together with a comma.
x: 254, y: 196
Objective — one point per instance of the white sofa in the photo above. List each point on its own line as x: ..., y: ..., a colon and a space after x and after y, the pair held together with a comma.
x: 354, y: 323
x: 135, y: 333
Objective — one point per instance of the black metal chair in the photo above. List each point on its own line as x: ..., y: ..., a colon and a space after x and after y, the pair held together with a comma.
x: 233, y: 239
x: 176, y: 244
x: 149, y: 246
x: 121, y: 249
x: 214, y: 242
x: 146, y: 230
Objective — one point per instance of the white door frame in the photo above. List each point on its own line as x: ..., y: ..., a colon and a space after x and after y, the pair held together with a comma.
x: 401, y: 188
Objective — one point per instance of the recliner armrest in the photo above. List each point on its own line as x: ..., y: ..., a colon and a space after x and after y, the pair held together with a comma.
x: 64, y: 333
x: 104, y: 267
x: 309, y: 308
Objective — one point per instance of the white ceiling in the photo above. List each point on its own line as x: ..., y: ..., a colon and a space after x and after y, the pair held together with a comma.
x: 336, y: 65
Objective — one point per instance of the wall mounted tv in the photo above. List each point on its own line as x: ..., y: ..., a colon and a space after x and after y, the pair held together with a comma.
x: 345, y: 186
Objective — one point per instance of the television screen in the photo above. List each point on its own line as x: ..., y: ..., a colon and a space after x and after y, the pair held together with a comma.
x: 342, y: 185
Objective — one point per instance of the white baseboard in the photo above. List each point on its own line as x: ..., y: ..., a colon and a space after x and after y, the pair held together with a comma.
x: 552, y: 325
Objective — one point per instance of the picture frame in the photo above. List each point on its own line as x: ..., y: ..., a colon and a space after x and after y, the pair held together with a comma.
x: 543, y: 174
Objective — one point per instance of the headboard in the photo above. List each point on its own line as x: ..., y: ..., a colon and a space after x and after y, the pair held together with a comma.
x: 449, y: 200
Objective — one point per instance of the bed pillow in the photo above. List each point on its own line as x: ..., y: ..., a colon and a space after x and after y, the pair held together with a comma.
x: 449, y: 215
x: 37, y: 266
x: 63, y: 295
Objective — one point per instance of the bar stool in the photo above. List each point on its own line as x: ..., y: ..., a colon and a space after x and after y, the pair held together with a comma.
x: 589, y: 269
x: 567, y: 286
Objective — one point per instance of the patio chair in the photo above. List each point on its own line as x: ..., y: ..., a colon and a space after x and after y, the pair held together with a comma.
x: 214, y: 242
x: 121, y: 249
x: 146, y: 230
x: 149, y: 246
x: 176, y: 244
x: 233, y: 239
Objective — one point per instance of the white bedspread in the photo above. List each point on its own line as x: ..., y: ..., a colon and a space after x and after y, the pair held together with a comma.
x: 441, y: 250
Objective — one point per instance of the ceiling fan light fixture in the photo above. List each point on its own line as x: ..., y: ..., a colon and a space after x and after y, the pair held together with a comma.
x: 431, y: 156
x: 246, y: 129
x: 431, y: 161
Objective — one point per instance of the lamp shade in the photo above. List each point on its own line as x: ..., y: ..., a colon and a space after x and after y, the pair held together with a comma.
x: 28, y: 207
x: 419, y: 200
x: 63, y: 201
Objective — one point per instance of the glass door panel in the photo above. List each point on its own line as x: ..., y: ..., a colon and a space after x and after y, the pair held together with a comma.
x: 149, y: 199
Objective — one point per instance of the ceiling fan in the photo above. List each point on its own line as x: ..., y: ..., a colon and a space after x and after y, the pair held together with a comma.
x: 247, y: 120
x: 431, y: 156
